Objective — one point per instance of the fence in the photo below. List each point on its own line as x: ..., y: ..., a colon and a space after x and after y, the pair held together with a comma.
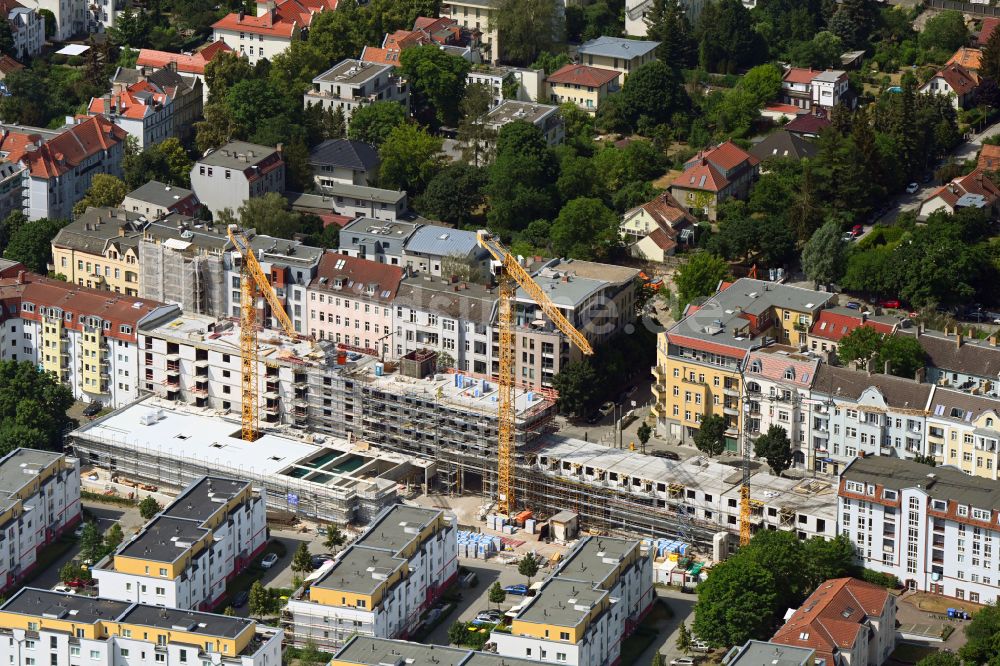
x: 965, y: 7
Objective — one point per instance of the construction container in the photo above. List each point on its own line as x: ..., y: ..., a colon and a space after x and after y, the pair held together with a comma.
x: 523, y: 516
x: 529, y: 526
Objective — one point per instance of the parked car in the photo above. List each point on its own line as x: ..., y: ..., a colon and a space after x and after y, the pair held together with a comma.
x: 857, y: 230
x: 65, y: 589
x: 607, y: 408
x: 241, y: 599
x: 269, y: 561
x: 93, y: 409
x: 912, y: 188
x: 890, y: 303
x: 318, y: 561
x: 490, y: 615
x: 683, y: 661
x: 516, y: 589
x: 669, y: 455
x: 854, y: 305
x: 847, y: 237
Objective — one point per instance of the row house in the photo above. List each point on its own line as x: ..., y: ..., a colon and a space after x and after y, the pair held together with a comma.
x: 713, y: 176
x: 959, y: 361
x: 85, y: 337
x: 192, y: 65
x: 228, y: 176
x: 184, y: 92
x: 422, y: 248
x: 353, y: 83
x: 27, y: 28
x: 381, y: 584
x: 443, y: 32
x: 184, y: 556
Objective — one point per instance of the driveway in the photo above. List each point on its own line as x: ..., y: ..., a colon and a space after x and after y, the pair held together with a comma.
x: 106, y: 517
x: 907, y: 614
x: 682, y: 607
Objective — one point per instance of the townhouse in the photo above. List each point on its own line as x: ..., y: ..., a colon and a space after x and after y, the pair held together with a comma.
x: 185, y: 555
x: 188, y: 65
x: 156, y: 200
x: 85, y: 337
x: 344, y: 161
x: 935, y: 529
x: 845, y: 620
x: 228, y: 176
x: 582, y: 85
x: 959, y: 361
x: 185, y: 93
x: 700, y: 358
x: 351, y: 301
x: 963, y: 431
x: 713, y: 176
x: 381, y: 584
x: 571, y: 619
x: 39, y: 501
x: 368, y: 651
x: 621, y: 55
x: 353, y: 83
x: 45, y: 627
x: 955, y: 82
x: 275, y: 27
x: 654, y: 230
x: 141, y: 109
x: 543, y: 116
x: 58, y: 165
x: 27, y: 28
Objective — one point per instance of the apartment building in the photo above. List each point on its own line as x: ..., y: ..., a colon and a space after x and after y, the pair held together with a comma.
x: 99, y: 250
x: 369, y: 651
x: 187, y: 64
x: 477, y: 17
x: 845, y: 620
x: 183, y: 91
x: 344, y: 161
x: 543, y: 116
x: 353, y: 201
x: 527, y: 85
x: 622, y: 55
x: 375, y: 240
x: 77, y: 17
x: 185, y: 555
x: 275, y: 27
x: 45, y: 627
x: 571, y: 619
x: 12, y: 174
x: 699, y: 359
x: 582, y: 85
x: 353, y: 83
x: 228, y: 176
x: 963, y: 431
x: 351, y: 301
x: 421, y: 248
x: 381, y: 584
x: 27, y: 28
x: 960, y: 361
x: 933, y: 528
x: 141, y: 110
x: 155, y: 200
x: 59, y: 164
x: 40, y: 495
x: 834, y: 323
x: 756, y: 653
x: 85, y: 337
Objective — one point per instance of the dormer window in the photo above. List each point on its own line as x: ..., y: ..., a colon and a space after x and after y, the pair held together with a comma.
x: 790, y: 374
x: 755, y: 365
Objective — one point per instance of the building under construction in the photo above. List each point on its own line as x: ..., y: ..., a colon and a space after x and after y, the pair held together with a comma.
x: 175, y: 270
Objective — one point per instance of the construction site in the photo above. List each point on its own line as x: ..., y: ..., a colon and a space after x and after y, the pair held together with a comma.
x: 176, y: 269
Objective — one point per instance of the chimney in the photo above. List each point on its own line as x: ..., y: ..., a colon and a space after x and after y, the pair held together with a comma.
x: 887, y: 367
x: 920, y: 375
x: 958, y: 339
x: 242, y: 14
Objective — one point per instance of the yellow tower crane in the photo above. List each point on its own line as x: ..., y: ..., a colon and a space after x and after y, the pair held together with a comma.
x: 253, y: 283
x: 512, y: 274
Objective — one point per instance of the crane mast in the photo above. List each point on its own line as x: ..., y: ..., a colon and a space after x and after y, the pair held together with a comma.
x: 512, y: 275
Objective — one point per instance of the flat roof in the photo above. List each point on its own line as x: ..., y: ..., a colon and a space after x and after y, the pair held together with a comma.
x: 370, y: 651
x: 159, y: 193
x: 398, y: 230
x: 205, y: 624
x: 79, y: 608
x: 562, y: 602
x: 352, y: 72
x: 163, y: 539
x: 20, y: 466
x: 594, y: 558
x: 397, y: 526
x: 510, y: 110
x: 237, y: 155
x: 337, y: 189
x: 761, y: 653
x: 204, y: 497
x: 361, y: 570
x: 617, y: 47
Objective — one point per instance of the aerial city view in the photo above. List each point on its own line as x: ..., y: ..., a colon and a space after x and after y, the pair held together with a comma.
x: 500, y: 332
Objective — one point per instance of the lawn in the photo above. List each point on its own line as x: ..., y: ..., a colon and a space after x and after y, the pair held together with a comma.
x: 911, y: 654
x: 636, y: 644
x: 933, y: 603
x: 49, y: 555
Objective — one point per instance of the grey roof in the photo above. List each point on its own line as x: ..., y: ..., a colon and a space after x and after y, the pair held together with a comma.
x: 569, y: 282
x: 943, y: 482
x: 376, y: 194
x: 961, y: 406
x: 346, y: 153
x: 400, y: 231
x: 369, y: 651
x: 617, y: 47
x: 159, y: 194
x: 163, y: 539
x: 360, y: 570
x: 472, y: 302
x: 161, y: 78
x: 594, y: 270
x: 595, y: 558
x: 94, y: 229
x: 205, y: 624
x: 562, y: 602
x: 8, y: 263
x: 760, y: 653
x: 352, y: 72
x: 17, y: 469
x: 204, y: 497
x: 848, y: 383
x: 443, y: 241
x: 237, y: 155
x: 397, y: 526
x: 978, y: 358
x: 782, y: 144
x: 829, y: 76
x: 36, y: 602
x: 510, y: 110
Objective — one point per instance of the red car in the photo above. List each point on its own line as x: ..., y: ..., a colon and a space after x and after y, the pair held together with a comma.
x: 857, y: 230
x: 890, y: 303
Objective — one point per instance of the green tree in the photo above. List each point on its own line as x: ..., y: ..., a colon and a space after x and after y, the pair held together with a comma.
x: 576, y: 384
x: 178, y: 162
x: 700, y: 276
x: 131, y: 27
x: 529, y: 28
x: 105, y: 191
x: 310, y: 655
x: 339, y: 34
x: 982, y: 646
x: 945, y: 31
x: 51, y: 25
x: 114, y: 537
x: 775, y: 447
x: 225, y: 70
x: 373, y: 123
x: 7, y: 40
x: 259, y: 600
x: 229, y: 611
x: 496, y: 594
x: 711, y: 436
x: 644, y: 432
x: 302, y: 560
x: 762, y: 82
x: 33, y: 407
x: 149, y: 507
x: 821, y: 52
x: 437, y: 81
x: 904, y: 355
x: 854, y: 22
x: 667, y: 23
x: 72, y: 571
x: 659, y: 659
x: 550, y: 62
x: 824, y: 256
x: 826, y: 559
x: 939, y: 658
x: 268, y: 214
x: 683, y: 643
x: 989, y: 66
x: 216, y: 129
x: 335, y: 538
x: 585, y: 229
x: 736, y: 603
x: 527, y: 566
x: 925, y: 460
x: 521, y: 177
x: 476, y: 137
x: 454, y: 195
x: 91, y: 542
x: 457, y: 633
x: 31, y: 244
x: 410, y: 159
x: 653, y: 92
x: 861, y: 344
x: 727, y: 40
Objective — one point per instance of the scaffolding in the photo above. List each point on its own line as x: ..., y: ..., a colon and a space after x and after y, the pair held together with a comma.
x: 194, y: 281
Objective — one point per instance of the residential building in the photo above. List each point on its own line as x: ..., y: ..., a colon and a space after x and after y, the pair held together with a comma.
x: 380, y: 585
x: 543, y: 116
x: 183, y: 91
x: 713, y: 176
x: 986, y: 30
x: 353, y: 83
x: 27, y: 28
x: 654, y: 230
x: 13, y: 171
x: 189, y: 65
x: 369, y: 651
x: 974, y: 190
x: 796, y: 87
x: 760, y: 653
x: 155, y: 200
x: 933, y: 528
x: 845, y: 620
x: 344, y: 161
x: 8, y: 65
x: 446, y: 252
x: 97, y: 250
x: 350, y: 302
x: 271, y: 31
x: 376, y: 240
x: 353, y: 201
x: 476, y: 17
x: 989, y: 158
x: 139, y: 110
x: 783, y: 145
x: 780, y: 113
x: 582, y: 85
x: 571, y: 619
x: 228, y: 176
x: 968, y: 57
x: 42, y: 626
x: 513, y: 83
x: 834, y: 323
x: 700, y: 358
x: 963, y: 431
x: 59, y: 164
x: 830, y: 89
x: 636, y: 12
x: 444, y: 32
x: 809, y: 88
x: 622, y: 55
x: 184, y: 556
x: 85, y: 337
x: 808, y: 125
x: 76, y: 17
x: 40, y: 492
x: 954, y: 81
x: 959, y: 361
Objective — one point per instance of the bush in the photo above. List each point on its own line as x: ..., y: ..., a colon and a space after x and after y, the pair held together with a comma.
x: 59, y: 59
x: 878, y: 578
x: 75, y: 61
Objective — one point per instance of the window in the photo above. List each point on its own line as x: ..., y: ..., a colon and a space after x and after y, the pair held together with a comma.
x: 564, y: 635
x: 163, y: 571
x: 95, y: 654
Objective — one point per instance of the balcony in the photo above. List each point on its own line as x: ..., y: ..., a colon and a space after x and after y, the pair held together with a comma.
x: 821, y: 433
x: 730, y: 410
x: 732, y: 390
x: 659, y: 373
x: 799, y: 326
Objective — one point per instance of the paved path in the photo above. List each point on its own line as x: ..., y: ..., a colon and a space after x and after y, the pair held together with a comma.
x: 682, y: 606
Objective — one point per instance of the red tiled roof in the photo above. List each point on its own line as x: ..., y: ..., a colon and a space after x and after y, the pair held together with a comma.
x: 989, y: 25
x: 701, y: 176
x: 667, y: 212
x: 8, y: 65
x: 973, y: 183
x: 72, y: 147
x: 662, y: 240
x: 774, y: 365
x: 379, y: 56
x: 187, y: 64
x: 833, y: 326
x: 788, y: 109
x: 833, y: 616
x: 281, y: 22
x: 989, y: 158
x: 357, y: 274
x: 961, y: 80
x: 799, y: 75
x: 726, y: 156
x: 705, y: 345
x: 128, y: 103
x: 583, y: 75
x: 967, y: 57
x: 403, y: 39
x: 808, y: 123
